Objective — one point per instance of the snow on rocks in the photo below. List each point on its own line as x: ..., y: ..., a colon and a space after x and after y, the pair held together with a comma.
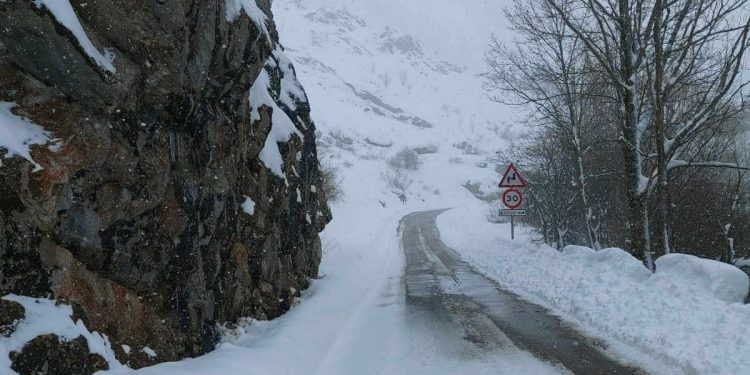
x: 18, y: 134
x: 66, y: 16
x: 685, y: 318
x: 235, y: 7
x: 291, y: 90
x: 282, y: 126
x: 248, y: 206
x: 44, y: 317
x: 149, y: 352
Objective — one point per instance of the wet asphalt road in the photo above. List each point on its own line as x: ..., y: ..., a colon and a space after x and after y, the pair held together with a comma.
x: 456, y: 299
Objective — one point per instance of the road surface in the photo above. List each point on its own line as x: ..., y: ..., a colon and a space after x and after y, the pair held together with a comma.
x: 457, y: 300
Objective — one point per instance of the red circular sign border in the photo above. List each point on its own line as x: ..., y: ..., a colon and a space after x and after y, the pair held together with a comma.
x: 520, y: 200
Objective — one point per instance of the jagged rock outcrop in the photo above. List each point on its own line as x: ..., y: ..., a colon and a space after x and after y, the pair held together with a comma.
x: 137, y: 217
x: 48, y: 354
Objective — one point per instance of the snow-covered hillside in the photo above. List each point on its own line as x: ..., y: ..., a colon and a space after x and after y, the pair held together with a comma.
x: 396, y: 73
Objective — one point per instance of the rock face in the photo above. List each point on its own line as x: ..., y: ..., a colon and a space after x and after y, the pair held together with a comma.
x: 136, y: 219
x: 10, y: 314
x: 49, y: 355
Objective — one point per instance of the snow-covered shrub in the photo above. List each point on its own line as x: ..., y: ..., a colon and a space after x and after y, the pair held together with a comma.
x: 467, y: 148
x: 398, y: 180
x: 331, y: 183
x: 405, y: 159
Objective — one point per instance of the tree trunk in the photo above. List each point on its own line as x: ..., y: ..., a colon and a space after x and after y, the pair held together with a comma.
x: 637, y: 217
x: 662, y: 186
x: 593, y: 240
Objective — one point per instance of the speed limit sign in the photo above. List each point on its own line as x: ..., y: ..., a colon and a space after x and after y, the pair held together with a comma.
x: 512, y: 198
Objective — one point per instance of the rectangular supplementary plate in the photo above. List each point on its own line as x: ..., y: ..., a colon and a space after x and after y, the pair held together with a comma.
x: 504, y: 212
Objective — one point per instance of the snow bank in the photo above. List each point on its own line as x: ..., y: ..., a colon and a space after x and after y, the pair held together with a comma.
x: 692, y: 275
x: 18, y: 134
x: 42, y: 317
x: 66, y: 16
x: 578, y: 251
x: 683, y: 319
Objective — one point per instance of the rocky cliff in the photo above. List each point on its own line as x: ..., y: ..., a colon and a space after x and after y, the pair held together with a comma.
x: 176, y: 186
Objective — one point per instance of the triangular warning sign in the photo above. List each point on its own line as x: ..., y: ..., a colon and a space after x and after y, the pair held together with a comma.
x: 512, y: 178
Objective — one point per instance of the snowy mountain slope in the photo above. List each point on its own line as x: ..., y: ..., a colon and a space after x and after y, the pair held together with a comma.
x: 396, y: 72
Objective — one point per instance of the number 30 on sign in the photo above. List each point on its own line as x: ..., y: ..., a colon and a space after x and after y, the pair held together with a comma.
x: 512, y: 199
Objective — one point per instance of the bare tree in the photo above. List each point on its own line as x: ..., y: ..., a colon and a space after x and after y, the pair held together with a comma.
x: 549, y: 69
x: 674, y: 67
x: 612, y: 32
x: 550, y: 198
x: 694, y: 86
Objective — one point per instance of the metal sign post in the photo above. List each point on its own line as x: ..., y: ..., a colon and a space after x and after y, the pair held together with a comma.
x: 512, y: 198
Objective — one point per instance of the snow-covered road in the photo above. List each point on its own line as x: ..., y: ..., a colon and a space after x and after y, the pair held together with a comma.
x: 481, y: 317
x: 356, y: 320
x: 400, y: 302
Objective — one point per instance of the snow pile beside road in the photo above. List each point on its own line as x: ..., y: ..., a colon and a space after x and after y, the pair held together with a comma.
x: 684, y: 319
x: 689, y: 274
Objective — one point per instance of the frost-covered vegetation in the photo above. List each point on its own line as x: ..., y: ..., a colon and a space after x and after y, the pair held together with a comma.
x: 331, y: 181
x: 407, y: 159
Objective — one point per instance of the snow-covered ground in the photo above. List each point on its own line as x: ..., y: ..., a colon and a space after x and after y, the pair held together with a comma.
x: 687, y: 318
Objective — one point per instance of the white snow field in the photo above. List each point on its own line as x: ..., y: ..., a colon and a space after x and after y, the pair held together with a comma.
x: 687, y: 318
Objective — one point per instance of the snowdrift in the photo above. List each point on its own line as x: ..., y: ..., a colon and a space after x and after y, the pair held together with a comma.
x: 693, y: 275
x: 688, y: 317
